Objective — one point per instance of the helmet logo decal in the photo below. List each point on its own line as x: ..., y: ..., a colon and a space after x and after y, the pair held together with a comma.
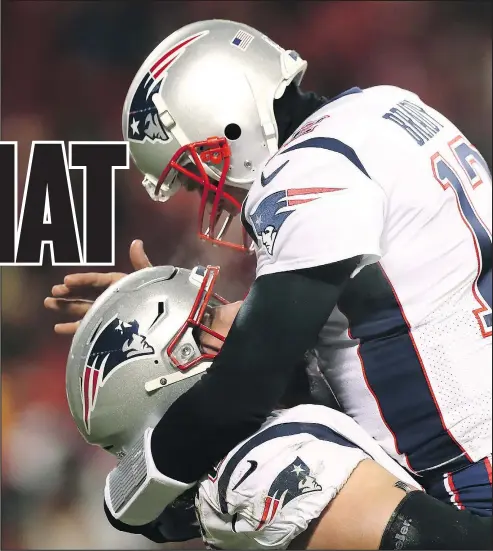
x: 144, y: 123
x: 118, y: 344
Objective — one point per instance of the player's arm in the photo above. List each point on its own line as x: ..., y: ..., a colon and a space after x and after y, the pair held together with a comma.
x: 278, y: 322
x: 176, y: 523
x: 371, y: 512
x: 150, y: 530
x: 242, y: 389
x: 318, y: 248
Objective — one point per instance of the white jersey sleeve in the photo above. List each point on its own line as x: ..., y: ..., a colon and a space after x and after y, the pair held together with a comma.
x: 270, y: 487
x: 315, y: 204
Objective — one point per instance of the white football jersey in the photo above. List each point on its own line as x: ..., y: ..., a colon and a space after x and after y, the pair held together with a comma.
x: 268, y: 489
x: 407, y: 351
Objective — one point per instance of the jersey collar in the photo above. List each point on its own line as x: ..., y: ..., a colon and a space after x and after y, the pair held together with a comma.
x: 353, y: 90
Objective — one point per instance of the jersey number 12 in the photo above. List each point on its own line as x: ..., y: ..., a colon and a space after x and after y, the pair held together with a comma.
x: 470, y: 164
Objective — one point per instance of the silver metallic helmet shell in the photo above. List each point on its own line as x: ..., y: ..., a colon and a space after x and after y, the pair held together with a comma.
x: 196, y: 82
x: 120, y: 378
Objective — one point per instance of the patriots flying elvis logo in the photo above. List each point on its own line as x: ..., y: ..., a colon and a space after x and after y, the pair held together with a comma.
x: 144, y: 123
x: 275, y: 209
x: 293, y: 481
x: 116, y: 345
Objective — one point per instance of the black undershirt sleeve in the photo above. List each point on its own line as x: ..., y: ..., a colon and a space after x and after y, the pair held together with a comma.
x: 150, y: 530
x: 278, y: 322
x: 177, y: 522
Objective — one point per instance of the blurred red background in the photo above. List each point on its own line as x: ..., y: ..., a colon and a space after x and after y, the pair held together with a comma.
x: 66, y: 68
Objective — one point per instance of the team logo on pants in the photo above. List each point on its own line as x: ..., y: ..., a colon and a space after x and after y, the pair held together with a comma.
x: 293, y: 481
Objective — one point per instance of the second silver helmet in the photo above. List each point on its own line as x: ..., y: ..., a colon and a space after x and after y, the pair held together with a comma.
x: 137, y: 351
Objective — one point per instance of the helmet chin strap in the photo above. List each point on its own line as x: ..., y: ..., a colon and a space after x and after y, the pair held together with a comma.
x: 167, y: 380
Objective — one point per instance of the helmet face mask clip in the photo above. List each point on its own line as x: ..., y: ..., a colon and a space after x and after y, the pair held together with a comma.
x: 176, y: 353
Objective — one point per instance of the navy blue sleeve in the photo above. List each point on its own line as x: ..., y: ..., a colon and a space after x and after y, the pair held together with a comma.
x: 279, y: 321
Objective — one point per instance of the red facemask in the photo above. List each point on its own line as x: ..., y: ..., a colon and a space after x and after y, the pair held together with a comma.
x: 215, y: 151
x: 195, y: 319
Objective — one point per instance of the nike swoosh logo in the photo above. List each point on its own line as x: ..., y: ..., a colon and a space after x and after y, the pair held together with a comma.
x: 267, y: 180
x: 233, y: 522
x: 253, y: 466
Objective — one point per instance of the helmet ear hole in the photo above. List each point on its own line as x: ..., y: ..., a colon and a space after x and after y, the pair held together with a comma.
x: 232, y: 131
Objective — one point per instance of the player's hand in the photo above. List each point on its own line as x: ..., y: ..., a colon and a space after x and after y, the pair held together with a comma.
x: 74, y: 297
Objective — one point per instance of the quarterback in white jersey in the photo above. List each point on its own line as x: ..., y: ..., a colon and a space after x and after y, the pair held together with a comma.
x: 379, y: 174
x: 371, y: 219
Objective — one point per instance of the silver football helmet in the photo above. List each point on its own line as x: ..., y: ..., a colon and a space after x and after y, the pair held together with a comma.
x: 136, y: 351
x: 201, y: 107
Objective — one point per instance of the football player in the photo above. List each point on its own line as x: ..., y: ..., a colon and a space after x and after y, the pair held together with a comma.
x: 370, y: 214
x: 311, y: 476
